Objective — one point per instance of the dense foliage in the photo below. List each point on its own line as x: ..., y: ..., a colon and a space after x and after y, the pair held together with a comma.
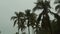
x: 29, y: 18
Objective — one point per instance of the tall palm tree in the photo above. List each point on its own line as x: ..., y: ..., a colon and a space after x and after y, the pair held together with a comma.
x: 19, y: 19
x: 31, y: 17
x: 58, y: 22
x: 46, y: 20
x: 33, y: 20
x: 27, y: 18
x: 57, y: 16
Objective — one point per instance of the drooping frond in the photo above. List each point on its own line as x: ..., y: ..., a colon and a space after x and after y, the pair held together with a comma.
x: 55, y: 15
x: 38, y: 6
x: 23, y: 28
x: 58, y: 6
x: 13, y: 17
x: 39, y: 18
x: 15, y: 22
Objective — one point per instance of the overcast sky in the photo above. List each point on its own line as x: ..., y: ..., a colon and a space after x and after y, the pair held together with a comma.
x: 7, y: 9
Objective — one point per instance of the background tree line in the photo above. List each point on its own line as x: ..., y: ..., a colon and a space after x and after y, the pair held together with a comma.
x: 28, y: 18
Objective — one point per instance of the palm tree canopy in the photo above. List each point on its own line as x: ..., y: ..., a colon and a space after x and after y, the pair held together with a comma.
x: 31, y: 17
x: 42, y: 5
x: 15, y: 18
x: 19, y: 19
x: 27, y: 12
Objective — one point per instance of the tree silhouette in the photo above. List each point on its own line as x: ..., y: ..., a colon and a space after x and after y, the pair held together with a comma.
x: 47, y: 26
x: 31, y: 17
x: 19, y: 19
x: 57, y: 16
x: 57, y: 21
x: 46, y: 20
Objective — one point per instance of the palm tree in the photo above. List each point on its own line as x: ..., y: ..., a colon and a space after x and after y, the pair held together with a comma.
x: 19, y: 19
x: 33, y: 20
x: 58, y: 22
x: 27, y: 18
x: 46, y: 20
x: 31, y: 17
x: 57, y: 16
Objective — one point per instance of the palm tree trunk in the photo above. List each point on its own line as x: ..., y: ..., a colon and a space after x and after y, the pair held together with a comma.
x: 18, y: 25
x: 18, y: 31
x: 37, y: 28
x: 36, y: 31
x: 51, y: 29
x: 28, y: 27
x: 28, y: 30
x: 18, y: 28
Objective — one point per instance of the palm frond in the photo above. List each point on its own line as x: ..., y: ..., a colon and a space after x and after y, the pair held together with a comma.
x: 38, y: 6
x: 13, y: 17
x: 33, y: 15
x: 39, y: 18
x: 19, y: 26
x: 48, y: 4
x: 58, y: 6
x: 15, y: 22
x: 34, y: 9
x: 17, y: 14
x: 23, y: 28
x: 55, y: 15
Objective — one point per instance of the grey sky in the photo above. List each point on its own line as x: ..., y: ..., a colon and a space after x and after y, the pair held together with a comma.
x: 7, y: 9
